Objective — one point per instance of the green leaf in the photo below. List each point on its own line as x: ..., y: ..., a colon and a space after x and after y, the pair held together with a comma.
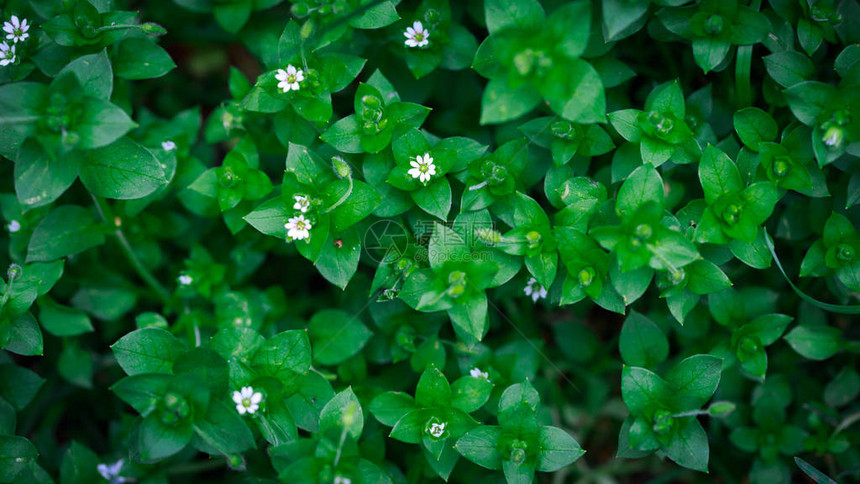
x: 379, y: 15
x: 433, y: 389
x: 501, y: 102
x: 343, y: 412
x: 16, y: 453
x: 18, y: 386
x: 704, y: 277
x: 479, y: 445
x: 224, y: 429
x: 66, y: 230
x: 143, y: 392
x: 23, y: 336
x: 336, y: 336
x: 137, y: 58
x: 269, y: 218
x: 689, y: 446
x: 94, y: 74
x: 788, y: 68
x: 557, y: 449
x: 148, y: 350
x: 718, y: 174
x: 505, y: 14
x: 41, y: 178
x: 710, y: 52
x: 815, y: 342
x: 389, y: 407
x: 123, y: 170
x: 434, y: 199
x: 755, y: 126
x: 813, y: 473
x: 285, y: 355
x: 694, y: 380
x: 338, y: 259
x: 470, y: 393
x: 643, y: 185
x: 643, y: 391
x: 158, y: 440
x: 344, y: 135
x: 62, y: 320
x: 575, y: 92
x: 642, y: 343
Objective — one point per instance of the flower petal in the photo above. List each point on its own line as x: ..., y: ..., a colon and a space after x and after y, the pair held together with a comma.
x: 237, y: 397
x: 241, y: 409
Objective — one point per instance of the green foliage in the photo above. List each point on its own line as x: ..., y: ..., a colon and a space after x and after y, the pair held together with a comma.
x: 352, y: 241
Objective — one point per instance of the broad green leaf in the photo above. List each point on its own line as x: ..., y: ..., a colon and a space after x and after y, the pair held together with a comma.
x: 123, y: 170
x: 718, y: 174
x: 66, y: 230
x: 557, y: 449
x: 336, y: 336
x: 642, y: 343
x: 816, y: 342
x: 148, y: 350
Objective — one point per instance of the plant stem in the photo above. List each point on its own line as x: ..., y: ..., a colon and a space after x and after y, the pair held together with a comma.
x: 106, y: 215
x: 19, y: 119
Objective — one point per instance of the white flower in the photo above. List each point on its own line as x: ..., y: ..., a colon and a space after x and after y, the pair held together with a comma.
x: 422, y: 168
x: 16, y: 29
x: 247, y: 400
x: 302, y: 203
x: 477, y: 373
x: 342, y: 480
x: 185, y: 279
x: 111, y: 471
x: 289, y: 78
x: 416, y: 36
x: 437, y: 429
x: 168, y: 145
x: 298, y: 227
x: 7, y: 54
x: 535, y: 290
x: 14, y: 226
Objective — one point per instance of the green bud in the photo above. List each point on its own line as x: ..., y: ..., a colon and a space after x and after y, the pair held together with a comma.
x: 561, y: 129
x: 749, y: 345
x: 533, y: 238
x: 307, y: 30
x: 644, y: 231
x: 730, y: 214
x: 432, y: 16
x: 834, y: 137
x: 228, y: 179
x: 498, y: 176
x: 677, y: 276
x: 586, y: 276
x: 341, y: 167
x: 300, y: 10
x: 654, y: 118
x: 524, y: 61
x: 781, y: 165
x: 714, y: 25
x: 845, y: 253
x: 14, y: 272
x: 325, y: 10
x: 89, y: 31
x: 663, y: 422
x: 518, y: 451
x: 153, y: 29
x: 405, y: 338
x: 236, y: 462
x: 71, y: 138
x: 371, y: 102
x: 721, y: 409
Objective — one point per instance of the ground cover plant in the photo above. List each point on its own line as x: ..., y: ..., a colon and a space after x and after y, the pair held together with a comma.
x: 382, y: 241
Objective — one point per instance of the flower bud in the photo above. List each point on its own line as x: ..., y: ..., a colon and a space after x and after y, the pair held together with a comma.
x: 14, y: 272
x: 533, y: 238
x: 586, y: 276
x: 153, y: 29
x: 781, y: 166
x: 341, y: 167
x: 663, y: 422
x: 227, y: 179
x: 677, y: 276
x: 833, y: 137
x: 721, y: 409
x: 714, y: 25
x: 845, y: 253
x: 300, y: 9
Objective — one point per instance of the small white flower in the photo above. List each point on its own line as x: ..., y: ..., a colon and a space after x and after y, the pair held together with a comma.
x: 111, y: 472
x: 535, y: 290
x: 302, y: 203
x: 477, y: 373
x: 185, y: 279
x: 7, y: 54
x: 416, y: 36
x: 298, y: 227
x: 168, y: 145
x: 342, y: 480
x: 437, y: 429
x: 247, y: 400
x: 16, y: 30
x: 289, y: 78
x: 422, y: 168
x: 14, y: 226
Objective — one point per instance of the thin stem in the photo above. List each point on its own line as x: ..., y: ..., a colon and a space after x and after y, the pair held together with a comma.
x: 7, y: 294
x: 342, y: 199
x: 19, y: 119
x: 105, y: 213
x: 107, y: 28
x: 478, y: 186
